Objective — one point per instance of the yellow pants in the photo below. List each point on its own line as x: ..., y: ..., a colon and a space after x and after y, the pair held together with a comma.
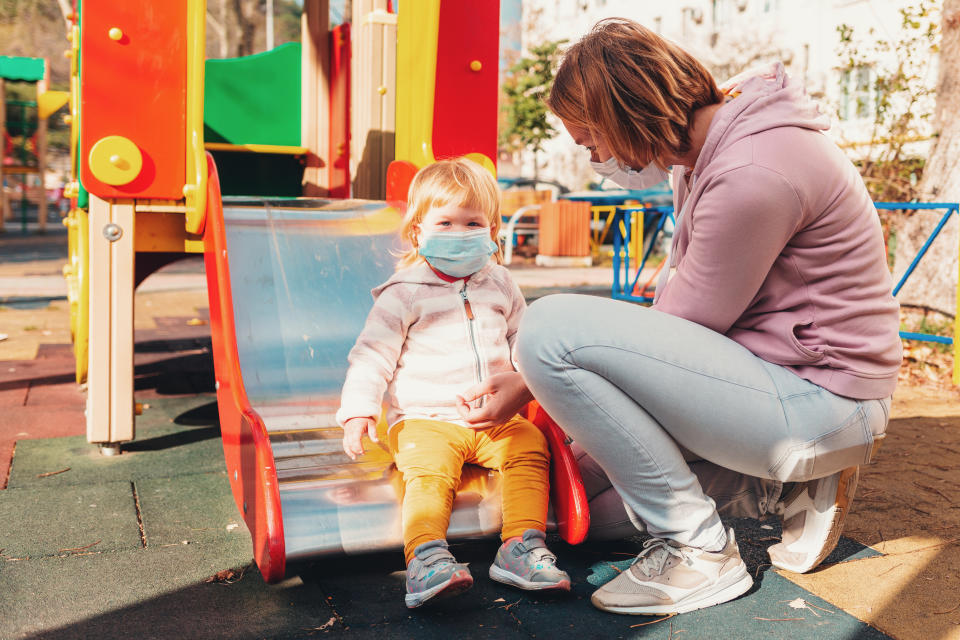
x: 431, y: 455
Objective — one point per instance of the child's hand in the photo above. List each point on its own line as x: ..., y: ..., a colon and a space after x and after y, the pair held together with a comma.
x: 353, y: 432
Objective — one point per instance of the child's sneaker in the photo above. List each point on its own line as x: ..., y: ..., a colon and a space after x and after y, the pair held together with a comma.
x: 668, y: 577
x: 528, y: 564
x: 435, y: 573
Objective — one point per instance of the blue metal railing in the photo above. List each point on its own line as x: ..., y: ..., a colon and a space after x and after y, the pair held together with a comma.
x: 626, y: 276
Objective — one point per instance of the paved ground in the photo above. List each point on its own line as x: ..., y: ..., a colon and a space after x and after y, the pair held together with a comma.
x: 150, y: 544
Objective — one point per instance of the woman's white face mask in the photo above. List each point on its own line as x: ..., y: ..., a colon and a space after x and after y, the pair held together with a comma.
x: 630, y: 178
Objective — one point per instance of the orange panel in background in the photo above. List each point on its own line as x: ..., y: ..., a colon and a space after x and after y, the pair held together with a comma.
x: 564, y: 229
x: 133, y: 84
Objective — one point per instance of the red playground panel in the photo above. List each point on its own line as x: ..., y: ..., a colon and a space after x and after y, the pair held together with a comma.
x: 133, y: 86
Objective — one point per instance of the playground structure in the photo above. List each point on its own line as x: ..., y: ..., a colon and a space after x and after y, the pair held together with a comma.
x: 175, y: 164
x: 23, y: 134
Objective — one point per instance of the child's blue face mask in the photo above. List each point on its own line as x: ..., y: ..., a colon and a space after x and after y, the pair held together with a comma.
x: 458, y: 253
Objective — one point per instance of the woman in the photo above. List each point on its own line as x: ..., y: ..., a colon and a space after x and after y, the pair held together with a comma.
x: 772, y: 351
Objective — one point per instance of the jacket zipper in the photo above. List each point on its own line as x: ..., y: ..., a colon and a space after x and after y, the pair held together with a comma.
x: 473, y: 338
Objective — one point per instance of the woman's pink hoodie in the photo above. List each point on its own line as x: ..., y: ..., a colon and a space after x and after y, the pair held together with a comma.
x: 780, y: 247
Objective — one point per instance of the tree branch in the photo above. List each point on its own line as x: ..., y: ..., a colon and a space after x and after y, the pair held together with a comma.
x: 66, y: 9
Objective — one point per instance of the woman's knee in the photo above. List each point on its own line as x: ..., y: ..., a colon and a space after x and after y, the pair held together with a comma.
x: 539, y: 341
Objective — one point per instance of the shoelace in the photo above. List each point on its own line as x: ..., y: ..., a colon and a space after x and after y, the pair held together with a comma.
x: 655, y: 553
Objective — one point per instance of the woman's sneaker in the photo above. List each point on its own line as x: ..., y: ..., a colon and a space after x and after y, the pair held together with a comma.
x: 668, y: 577
x: 813, y: 514
x: 528, y: 564
x: 434, y: 573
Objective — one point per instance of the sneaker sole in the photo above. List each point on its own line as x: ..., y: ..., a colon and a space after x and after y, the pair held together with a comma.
x: 846, y: 487
x: 735, y: 585
x: 504, y: 576
x: 457, y: 584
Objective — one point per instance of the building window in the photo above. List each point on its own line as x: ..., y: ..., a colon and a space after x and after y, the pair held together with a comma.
x: 855, y: 95
x: 722, y: 13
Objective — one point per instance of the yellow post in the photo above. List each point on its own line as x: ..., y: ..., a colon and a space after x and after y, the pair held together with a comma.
x: 195, y: 187
x: 636, y: 237
x: 416, y: 81
x: 42, y: 151
x: 956, y: 327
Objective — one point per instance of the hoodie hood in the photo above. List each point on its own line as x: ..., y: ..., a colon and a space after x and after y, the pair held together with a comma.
x: 758, y: 100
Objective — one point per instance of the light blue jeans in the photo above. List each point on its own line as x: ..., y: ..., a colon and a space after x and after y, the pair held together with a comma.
x: 644, y: 394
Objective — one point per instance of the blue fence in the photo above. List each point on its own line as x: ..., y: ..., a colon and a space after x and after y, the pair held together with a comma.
x: 627, y: 269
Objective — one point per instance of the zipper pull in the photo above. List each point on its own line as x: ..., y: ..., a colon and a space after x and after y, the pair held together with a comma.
x: 466, y: 303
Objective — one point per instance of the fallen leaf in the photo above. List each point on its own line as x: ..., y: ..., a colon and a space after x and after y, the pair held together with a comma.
x: 227, y: 576
x: 80, y: 548
x: 644, y: 624
x: 52, y: 473
x: 328, y: 623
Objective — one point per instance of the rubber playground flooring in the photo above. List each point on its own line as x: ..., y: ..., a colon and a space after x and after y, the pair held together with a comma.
x: 149, y: 544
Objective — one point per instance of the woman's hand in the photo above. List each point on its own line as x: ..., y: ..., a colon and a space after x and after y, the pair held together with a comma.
x: 504, y: 395
x: 353, y: 432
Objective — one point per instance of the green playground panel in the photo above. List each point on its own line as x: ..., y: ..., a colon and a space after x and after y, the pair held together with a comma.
x: 21, y: 69
x: 254, y: 99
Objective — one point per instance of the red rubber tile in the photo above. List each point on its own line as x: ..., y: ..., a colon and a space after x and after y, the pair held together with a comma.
x: 15, y: 396
x: 55, y: 352
x: 16, y: 372
x: 59, y: 394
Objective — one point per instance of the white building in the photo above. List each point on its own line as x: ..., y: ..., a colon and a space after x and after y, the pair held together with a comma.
x: 732, y: 35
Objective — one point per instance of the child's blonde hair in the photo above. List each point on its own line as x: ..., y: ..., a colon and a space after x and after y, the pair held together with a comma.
x: 459, y: 182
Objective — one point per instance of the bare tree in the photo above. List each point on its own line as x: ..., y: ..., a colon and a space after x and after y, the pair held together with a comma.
x: 245, y: 11
x: 220, y: 28
x: 934, y: 283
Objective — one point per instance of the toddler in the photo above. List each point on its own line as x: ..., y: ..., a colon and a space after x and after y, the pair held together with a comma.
x: 446, y: 320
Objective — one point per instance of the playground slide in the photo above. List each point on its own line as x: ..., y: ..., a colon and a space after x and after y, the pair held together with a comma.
x: 289, y: 285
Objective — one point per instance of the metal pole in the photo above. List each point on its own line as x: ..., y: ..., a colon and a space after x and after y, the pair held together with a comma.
x: 4, y: 204
x: 269, y: 25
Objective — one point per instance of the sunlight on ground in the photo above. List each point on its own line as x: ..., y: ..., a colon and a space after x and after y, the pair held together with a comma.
x: 914, y: 569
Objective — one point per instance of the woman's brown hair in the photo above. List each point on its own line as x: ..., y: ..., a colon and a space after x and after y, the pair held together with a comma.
x: 632, y: 89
